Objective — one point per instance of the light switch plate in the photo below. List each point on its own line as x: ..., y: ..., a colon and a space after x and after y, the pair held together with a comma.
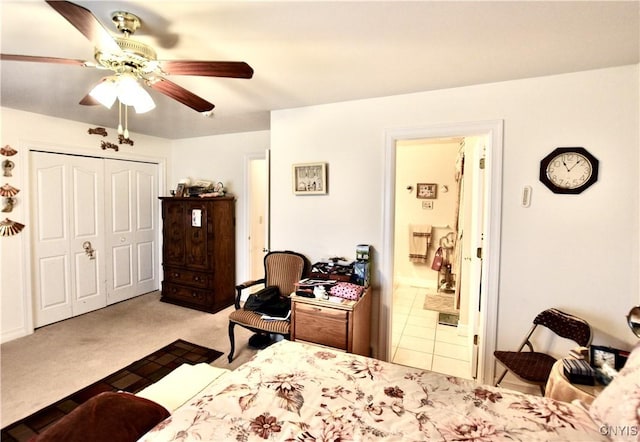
x: 428, y: 205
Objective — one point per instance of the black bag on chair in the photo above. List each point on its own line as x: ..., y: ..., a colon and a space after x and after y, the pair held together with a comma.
x: 268, y: 302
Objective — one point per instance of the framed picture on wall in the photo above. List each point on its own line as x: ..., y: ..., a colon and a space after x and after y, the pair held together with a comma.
x: 426, y: 191
x: 310, y: 178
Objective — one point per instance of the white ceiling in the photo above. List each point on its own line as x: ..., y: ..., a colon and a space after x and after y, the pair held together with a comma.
x: 312, y: 52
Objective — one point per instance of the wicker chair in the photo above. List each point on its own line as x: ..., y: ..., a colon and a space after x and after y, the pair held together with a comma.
x: 281, y: 269
x: 534, y: 367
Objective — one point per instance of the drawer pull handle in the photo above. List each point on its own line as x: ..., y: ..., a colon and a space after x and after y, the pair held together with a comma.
x: 176, y: 275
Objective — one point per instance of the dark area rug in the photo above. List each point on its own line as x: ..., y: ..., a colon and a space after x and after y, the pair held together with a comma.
x: 132, y: 379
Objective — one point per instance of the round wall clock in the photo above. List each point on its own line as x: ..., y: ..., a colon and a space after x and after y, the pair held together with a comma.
x: 569, y: 170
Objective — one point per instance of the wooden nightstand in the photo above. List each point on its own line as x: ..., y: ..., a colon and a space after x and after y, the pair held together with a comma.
x: 344, y: 325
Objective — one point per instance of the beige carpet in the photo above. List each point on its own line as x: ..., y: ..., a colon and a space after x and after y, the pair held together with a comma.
x: 39, y: 369
x: 440, y: 302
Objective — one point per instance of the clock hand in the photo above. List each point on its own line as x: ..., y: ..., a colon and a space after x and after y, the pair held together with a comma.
x: 577, y: 162
x: 565, y: 166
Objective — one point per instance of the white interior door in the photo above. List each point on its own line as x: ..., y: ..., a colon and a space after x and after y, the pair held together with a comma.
x: 131, y: 230
x: 68, y: 258
x: 471, y: 265
x: 258, y: 216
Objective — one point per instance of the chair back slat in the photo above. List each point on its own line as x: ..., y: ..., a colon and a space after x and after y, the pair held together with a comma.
x: 283, y: 270
x: 565, y: 325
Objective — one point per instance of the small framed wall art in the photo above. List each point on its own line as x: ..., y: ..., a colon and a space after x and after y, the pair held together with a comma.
x: 310, y: 178
x: 426, y: 191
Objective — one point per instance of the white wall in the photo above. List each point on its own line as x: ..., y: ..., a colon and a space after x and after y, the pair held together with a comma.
x: 221, y: 158
x: 24, y: 131
x: 578, y: 253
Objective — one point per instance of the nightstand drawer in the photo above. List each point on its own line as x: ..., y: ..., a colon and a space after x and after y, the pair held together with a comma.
x: 319, y: 311
x: 321, y: 325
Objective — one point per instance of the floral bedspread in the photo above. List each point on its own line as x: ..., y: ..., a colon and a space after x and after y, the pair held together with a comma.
x: 297, y: 392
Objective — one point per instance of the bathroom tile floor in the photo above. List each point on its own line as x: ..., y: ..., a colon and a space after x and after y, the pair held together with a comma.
x: 418, y: 340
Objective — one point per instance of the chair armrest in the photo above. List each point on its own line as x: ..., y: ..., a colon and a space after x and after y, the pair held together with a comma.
x: 245, y: 285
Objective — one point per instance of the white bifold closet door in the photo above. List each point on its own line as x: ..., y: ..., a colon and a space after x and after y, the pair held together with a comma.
x: 131, y: 196
x: 94, y: 234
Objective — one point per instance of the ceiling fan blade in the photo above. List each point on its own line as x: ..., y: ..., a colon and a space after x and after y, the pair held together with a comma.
x: 35, y: 58
x: 182, y: 95
x: 85, y: 22
x: 88, y: 100
x: 233, y: 69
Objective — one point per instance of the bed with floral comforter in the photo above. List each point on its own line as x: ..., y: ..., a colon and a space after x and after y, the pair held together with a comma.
x: 297, y: 392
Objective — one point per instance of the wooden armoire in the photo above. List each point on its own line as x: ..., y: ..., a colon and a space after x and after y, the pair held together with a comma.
x: 198, y: 252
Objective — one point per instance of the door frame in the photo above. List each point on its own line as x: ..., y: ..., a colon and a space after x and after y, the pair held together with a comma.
x: 247, y: 208
x: 69, y: 150
x: 493, y: 129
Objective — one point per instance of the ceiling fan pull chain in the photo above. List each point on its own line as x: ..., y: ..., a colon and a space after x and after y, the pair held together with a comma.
x: 119, y: 117
x: 126, y: 122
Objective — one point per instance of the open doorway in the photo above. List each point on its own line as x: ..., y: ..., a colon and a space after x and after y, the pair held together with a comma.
x: 438, y: 230
x: 257, y: 210
x: 482, y: 313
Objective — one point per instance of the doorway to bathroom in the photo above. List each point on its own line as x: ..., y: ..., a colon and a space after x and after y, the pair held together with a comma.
x: 438, y: 219
x: 442, y: 216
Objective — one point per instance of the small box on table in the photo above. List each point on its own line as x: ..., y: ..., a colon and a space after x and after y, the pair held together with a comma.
x: 578, y: 371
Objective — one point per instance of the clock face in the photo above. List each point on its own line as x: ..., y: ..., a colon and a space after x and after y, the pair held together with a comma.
x: 569, y: 170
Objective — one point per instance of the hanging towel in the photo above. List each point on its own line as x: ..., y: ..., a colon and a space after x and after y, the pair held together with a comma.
x: 419, y: 242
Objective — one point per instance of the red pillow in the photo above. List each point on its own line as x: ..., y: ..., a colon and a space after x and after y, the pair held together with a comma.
x: 107, y: 417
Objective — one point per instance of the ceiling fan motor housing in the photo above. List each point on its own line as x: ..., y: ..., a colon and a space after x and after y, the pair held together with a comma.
x: 135, y: 56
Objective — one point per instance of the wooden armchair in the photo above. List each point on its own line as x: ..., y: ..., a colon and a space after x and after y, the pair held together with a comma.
x: 282, y: 270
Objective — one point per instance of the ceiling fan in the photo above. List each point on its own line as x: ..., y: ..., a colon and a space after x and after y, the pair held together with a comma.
x: 131, y: 59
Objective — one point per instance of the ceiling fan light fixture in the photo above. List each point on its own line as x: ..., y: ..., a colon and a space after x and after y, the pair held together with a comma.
x: 144, y: 103
x: 105, y: 92
x: 131, y: 93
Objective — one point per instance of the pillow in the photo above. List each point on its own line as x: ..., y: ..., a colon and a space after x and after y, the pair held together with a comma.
x: 617, y: 408
x: 107, y: 417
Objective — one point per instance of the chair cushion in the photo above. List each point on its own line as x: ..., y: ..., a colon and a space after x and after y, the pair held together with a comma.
x: 252, y: 319
x: 530, y: 366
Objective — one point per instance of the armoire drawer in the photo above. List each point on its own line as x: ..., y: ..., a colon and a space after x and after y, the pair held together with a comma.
x: 321, y: 325
x: 187, y: 277
x: 186, y: 294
